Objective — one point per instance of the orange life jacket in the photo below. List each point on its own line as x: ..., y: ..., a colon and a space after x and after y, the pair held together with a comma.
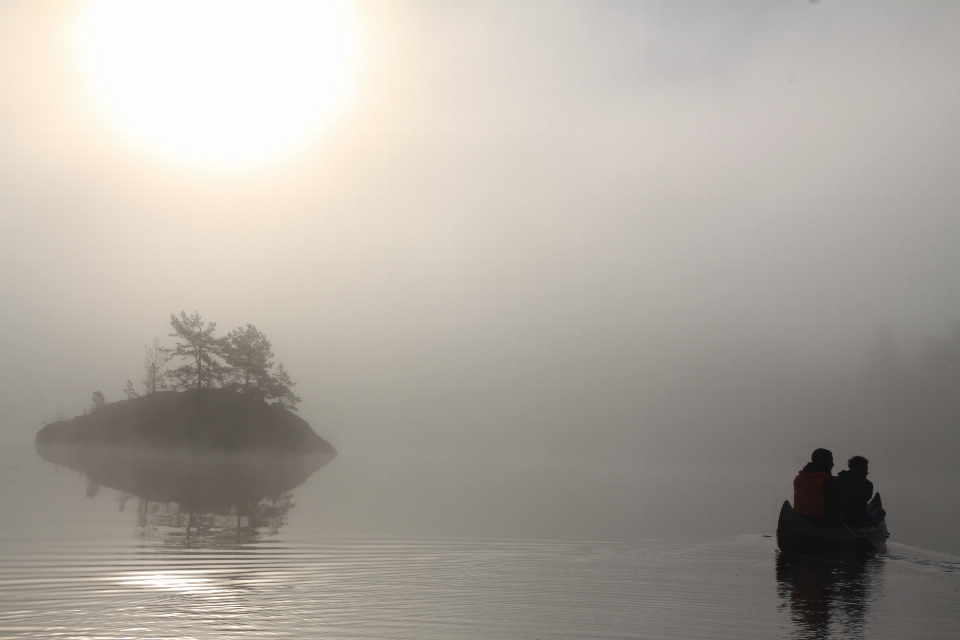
x: 808, y: 496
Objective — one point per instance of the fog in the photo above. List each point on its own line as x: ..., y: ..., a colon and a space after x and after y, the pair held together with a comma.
x: 567, y: 269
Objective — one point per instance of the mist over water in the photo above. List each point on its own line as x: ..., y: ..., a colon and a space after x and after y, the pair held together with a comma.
x: 575, y: 272
x: 105, y: 563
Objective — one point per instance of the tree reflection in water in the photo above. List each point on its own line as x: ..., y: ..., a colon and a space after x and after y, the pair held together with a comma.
x: 180, y: 525
x: 828, y: 596
x: 194, y: 499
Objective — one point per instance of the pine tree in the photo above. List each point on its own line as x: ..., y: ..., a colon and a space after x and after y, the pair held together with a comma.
x: 248, y: 353
x: 197, y: 344
x: 98, y: 400
x: 155, y: 358
x: 281, y: 388
x: 130, y: 391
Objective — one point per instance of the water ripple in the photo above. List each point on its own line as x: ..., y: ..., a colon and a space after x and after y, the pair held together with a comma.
x: 375, y: 588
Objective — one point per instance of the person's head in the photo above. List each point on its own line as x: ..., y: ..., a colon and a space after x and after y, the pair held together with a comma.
x: 858, y: 464
x: 822, y: 458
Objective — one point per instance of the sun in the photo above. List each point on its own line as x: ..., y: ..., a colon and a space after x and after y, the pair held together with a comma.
x: 223, y: 84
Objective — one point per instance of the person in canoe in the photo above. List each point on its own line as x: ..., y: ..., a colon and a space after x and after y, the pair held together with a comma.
x: 854, y: 492
x: 815, y: 490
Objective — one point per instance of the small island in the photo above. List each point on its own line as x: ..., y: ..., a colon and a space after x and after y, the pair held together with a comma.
x: 217, y: 432
x: 205, y: 421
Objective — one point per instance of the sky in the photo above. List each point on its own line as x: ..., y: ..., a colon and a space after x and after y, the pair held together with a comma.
x: 616, y: 251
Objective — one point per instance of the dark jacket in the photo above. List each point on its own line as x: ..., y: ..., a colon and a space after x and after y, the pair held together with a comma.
x: 814, y: 493
x: 853, y: 493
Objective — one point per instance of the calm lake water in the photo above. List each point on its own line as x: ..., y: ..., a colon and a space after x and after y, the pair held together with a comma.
x: 117, y: 566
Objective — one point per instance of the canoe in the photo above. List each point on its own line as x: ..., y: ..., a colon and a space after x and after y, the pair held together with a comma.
x: 796, y: 534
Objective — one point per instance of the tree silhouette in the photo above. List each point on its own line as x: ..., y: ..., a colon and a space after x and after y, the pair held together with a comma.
x: 154, y: 360
x: 281, y: 388
x: 248, y: 353
x: 98, y: 400
x: 129, y: 391
x: 197, y: 344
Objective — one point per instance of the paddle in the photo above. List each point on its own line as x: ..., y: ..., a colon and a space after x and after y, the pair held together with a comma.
x: 864, y: 546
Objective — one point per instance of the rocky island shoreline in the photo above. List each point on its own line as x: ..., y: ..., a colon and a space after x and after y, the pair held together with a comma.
x: 211, y: 420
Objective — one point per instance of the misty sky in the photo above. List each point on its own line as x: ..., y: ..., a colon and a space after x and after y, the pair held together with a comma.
x: 547, y: 228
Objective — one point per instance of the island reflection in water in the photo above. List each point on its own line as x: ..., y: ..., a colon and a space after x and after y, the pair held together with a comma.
x: 828, y: 596
x: 181, y: 525
x: 194, y: 499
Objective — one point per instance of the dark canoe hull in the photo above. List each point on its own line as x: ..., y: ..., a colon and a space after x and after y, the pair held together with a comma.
x: 795, y: 534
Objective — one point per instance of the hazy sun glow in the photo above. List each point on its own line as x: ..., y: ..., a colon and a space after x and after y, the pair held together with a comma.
x: 222, y: 84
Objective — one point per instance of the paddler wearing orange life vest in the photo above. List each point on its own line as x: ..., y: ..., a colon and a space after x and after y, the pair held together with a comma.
x: 815, y: 489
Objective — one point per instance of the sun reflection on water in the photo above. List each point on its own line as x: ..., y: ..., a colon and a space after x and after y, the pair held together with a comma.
x: 173, y: 581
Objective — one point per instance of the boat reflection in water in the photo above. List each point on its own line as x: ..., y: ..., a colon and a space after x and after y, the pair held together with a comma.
x: 828, y: 595
x: 194, y: 499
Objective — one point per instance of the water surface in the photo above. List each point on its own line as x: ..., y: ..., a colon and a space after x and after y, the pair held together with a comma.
x: 117, y: 566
